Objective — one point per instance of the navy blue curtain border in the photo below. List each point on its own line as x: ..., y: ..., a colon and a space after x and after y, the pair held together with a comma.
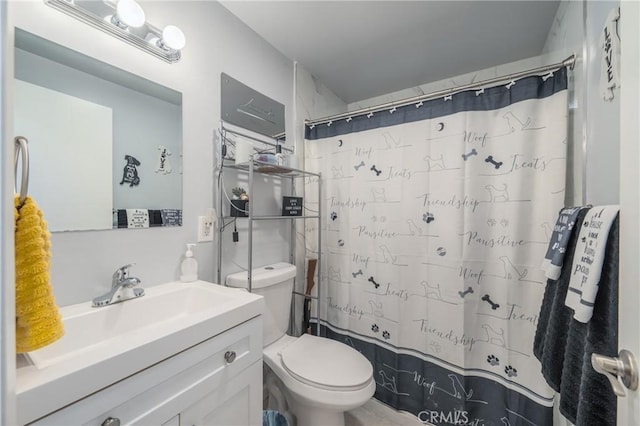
x: 326, y: 329
x: 439, y: 396
x: 532, y: 87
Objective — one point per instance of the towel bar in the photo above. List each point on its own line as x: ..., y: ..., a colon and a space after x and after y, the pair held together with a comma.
x: 22, y: 150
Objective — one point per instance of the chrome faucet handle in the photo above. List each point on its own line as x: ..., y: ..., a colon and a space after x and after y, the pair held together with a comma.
x: 121, y: 274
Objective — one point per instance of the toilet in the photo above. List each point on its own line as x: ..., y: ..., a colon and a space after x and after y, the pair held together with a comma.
x: 314, y: 378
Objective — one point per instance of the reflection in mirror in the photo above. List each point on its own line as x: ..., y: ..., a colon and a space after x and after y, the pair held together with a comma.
x: 105, y: 145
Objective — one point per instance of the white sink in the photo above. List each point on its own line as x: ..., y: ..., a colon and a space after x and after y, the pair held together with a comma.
x: 106, y: 344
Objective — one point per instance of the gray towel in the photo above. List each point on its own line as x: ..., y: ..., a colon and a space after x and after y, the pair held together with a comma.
x: 564, y: 345
x: 555, y: 316
x: 586, y: 397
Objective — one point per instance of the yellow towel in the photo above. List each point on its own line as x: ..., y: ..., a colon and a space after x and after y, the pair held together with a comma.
x: 38, y: 321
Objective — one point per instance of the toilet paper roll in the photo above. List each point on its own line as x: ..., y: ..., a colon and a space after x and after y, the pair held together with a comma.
x: 244, y: 150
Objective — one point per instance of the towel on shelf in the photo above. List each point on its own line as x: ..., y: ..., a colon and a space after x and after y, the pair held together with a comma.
x: 38, y: 320
x: 555, y: 317
x: 553, y: 259
x: 586, y: 397
x: 137, y: 218
x: 588, y: 260
x: 155, y: 218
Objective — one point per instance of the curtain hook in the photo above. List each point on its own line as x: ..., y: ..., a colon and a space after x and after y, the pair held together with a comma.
x: 419, y: 104
x: 392, y: 110
x: 548, y: 76
x: 370, y: 115
x: 349, y: 119
x: 511, y: 84
x: 448, y: 98
x: 329, y: 123
x: 312, y: 126
x: 480, y: 92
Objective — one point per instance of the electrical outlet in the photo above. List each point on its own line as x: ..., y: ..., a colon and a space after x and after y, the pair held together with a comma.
x: 205, y: 228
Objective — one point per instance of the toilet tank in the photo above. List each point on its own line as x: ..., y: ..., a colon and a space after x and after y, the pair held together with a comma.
x: 275, y: 283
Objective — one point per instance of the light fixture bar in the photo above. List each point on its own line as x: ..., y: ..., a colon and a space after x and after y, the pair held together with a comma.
x: 133, y: 36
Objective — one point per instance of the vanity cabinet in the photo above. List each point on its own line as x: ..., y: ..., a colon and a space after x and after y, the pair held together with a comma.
x: 216, y: 382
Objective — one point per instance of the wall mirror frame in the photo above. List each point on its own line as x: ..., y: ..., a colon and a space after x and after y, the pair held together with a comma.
x: 105, y: 145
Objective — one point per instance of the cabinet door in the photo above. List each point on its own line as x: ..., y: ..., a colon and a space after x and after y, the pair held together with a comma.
x: 235, y: 403
x: 157, y: 394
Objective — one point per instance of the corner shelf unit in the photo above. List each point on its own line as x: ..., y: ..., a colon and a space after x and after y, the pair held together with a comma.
x: 253, y: 168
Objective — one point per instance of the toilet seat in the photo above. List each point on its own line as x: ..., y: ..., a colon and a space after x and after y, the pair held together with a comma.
x: 326, y: 364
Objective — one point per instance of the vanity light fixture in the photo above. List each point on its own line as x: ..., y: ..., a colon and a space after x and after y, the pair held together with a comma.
x: 128, y: 14
x: 125, y: 20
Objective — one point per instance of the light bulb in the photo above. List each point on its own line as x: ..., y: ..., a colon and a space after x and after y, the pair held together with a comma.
x: 129, y: 13
x: 173, y: 38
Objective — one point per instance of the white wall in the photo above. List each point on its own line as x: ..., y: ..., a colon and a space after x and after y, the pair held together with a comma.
x: 603, y: 117
x: 595, y: 127
x: 7, y: 275
x: 594, y: 131
x: 83, y: 262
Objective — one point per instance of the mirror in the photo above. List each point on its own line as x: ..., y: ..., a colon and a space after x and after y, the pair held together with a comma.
x: 249, y: 109
x: 105, y: 145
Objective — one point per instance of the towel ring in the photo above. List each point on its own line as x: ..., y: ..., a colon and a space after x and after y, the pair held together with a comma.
x: 22, y: 150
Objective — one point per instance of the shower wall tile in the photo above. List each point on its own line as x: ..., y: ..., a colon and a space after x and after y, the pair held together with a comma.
x: 564, y: 39
x: 313, y: 100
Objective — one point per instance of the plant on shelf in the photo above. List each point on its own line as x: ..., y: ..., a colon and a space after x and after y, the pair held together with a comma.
x: 239, y: 193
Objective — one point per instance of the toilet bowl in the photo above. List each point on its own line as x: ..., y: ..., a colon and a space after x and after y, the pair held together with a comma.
x: 319, y: 378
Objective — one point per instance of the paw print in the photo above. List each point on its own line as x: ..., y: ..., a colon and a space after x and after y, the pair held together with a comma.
x: 436, y: 347
x: 386, y: 335
x: 334, y: 215
x: 428, y: 217
x: 510, y: 371
x: 493, y: 360
x: 341, y: 243
x: 375, y: 328
x: 491, y: 222
x: 504, y: 223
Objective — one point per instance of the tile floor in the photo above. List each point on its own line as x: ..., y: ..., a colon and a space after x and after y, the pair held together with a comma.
x: 375, y: 413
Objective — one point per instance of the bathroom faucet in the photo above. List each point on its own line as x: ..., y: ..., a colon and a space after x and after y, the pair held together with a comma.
x: 123, y: 287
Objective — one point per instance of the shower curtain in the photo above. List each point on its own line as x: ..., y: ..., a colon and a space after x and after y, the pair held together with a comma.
x: 435, y: 221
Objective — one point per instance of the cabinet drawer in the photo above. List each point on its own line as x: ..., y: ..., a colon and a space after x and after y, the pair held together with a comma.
x: 158, y: 393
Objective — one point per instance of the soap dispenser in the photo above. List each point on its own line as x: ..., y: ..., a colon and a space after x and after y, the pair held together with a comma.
x: 189, y: 266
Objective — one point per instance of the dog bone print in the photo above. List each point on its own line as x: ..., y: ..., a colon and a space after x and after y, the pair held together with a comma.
x: 490, y: 159
x: 464, y: 293
x: 486, y: 298
x: 371, y: 280
x: 373, y: 168
x: 355, y: 274
x: 358, y: 165
x: 466, y: 156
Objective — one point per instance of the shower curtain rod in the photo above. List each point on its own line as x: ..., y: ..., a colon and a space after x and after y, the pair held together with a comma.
x: 569, y: 62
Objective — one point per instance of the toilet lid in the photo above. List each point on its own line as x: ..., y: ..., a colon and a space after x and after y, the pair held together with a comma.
x: 326, y: 363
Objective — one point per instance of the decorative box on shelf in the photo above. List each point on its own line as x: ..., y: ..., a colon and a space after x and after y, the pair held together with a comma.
x: 239, y: 208
x: 291, y: 206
